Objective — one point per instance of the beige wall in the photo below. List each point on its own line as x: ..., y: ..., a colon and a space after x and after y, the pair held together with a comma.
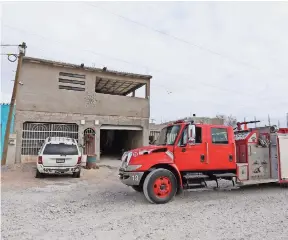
x: 40, y: 92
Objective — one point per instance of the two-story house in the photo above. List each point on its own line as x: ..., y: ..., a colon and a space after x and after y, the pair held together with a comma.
x: 96, y: 106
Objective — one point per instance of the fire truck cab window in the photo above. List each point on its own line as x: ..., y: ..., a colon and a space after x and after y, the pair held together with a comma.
x: 198, y: 137
x: 184, y: 137
x: 219, y: 135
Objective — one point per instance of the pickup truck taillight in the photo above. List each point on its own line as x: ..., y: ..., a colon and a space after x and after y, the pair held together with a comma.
x: 79, y: 160
x: 40, y: 160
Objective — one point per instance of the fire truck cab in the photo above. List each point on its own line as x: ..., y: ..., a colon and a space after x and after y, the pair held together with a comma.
x: 184, y: 155
x: 187, y: 155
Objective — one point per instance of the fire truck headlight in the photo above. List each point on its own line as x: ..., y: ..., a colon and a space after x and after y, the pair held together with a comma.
x: 133, y: 167
x: 128, y: 158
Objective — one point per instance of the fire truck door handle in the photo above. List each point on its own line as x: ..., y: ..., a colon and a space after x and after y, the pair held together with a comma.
x: 202, y: 157
x: 183, y: 149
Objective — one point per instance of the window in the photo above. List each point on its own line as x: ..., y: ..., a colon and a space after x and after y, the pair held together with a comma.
x: 184, y: 137
x: 219, y: 135
x: 60, y: 149
x: 198, y: 137
x: 63, y: 80
x: 74, y: 75
x: 168, y: 135
x: 71, y: 88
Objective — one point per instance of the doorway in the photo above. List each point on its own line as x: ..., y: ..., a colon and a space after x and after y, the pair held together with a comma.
x: 114, y: 142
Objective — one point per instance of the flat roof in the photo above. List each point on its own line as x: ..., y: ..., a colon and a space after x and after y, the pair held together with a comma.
x: 99, y: 70
x: 116, y: 87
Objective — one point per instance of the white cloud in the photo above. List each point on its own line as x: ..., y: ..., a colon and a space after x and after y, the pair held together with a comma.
x: 248, y: 78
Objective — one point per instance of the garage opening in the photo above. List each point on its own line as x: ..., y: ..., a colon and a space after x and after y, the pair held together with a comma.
x: 114, y: 140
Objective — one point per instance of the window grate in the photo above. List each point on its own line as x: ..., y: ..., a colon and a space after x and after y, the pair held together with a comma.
x: 74, y: 75
x: 63, y: 80
x: 71, y: 88
x: 34, y: 134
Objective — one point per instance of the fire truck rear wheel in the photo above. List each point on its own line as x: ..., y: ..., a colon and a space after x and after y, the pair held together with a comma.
x: 160, y: 186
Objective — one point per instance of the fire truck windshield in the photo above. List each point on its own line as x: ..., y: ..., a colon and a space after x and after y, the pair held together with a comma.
x: 168, y: 135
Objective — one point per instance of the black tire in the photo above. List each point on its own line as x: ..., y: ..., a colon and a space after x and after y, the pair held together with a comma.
x: 137, y: 188
x: 179, y: 191
x: 76, y: 174
x: 38, y: 174
x: 151, y: 186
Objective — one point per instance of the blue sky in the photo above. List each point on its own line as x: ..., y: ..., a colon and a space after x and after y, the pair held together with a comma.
x: 209, y: 57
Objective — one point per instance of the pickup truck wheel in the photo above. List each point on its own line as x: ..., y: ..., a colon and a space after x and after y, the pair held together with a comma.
x: 160, y: 186
x: 38, y: 174
x: 137, y: 188
x: 76, y: 174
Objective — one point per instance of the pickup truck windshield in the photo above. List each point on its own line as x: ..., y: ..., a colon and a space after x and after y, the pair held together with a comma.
x: 168, y: 135
x: 60, y: 149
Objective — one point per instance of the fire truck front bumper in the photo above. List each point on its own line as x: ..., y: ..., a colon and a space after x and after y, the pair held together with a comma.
x: 130, y: 178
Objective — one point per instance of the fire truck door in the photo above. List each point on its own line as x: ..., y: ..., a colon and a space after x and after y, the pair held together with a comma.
x: 220, y: 149
x: 190, y: 157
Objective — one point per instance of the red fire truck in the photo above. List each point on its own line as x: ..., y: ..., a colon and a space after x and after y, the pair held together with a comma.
x: 187, y: 155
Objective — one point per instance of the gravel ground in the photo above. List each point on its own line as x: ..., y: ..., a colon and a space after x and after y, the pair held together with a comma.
x: 98, y: 206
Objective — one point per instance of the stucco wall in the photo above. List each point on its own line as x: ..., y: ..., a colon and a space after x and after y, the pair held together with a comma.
x: 40, y: 92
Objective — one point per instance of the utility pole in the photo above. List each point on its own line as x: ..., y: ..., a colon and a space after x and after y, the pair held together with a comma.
x: 287, y: 120
x: 255, y: 122
x: 269, y: 122
x: 22, y: 49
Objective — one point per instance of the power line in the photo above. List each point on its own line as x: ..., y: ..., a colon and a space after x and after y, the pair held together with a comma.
x: 125, y: 61
x: 9, y: 45
x: 183, y: 40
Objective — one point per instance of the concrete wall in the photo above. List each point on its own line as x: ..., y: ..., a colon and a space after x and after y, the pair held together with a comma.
x: 22, y: 116
x: 40, y: 92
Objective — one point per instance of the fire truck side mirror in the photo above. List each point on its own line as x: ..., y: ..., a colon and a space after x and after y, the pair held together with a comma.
x: 191, y: 134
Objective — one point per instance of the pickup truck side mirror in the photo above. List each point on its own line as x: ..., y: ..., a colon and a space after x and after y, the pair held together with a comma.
x: 191, y: 134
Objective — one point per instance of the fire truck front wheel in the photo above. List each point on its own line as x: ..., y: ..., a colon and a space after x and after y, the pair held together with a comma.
x: 160, y: 186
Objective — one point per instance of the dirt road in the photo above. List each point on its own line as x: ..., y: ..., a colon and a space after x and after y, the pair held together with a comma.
x: 98, y: 206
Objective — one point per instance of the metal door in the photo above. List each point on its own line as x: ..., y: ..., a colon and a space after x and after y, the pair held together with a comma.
x: 274, y: 156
